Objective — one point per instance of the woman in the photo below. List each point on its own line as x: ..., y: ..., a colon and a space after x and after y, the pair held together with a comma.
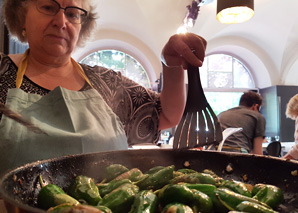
x: 292, y: 112
x: 81, y: 108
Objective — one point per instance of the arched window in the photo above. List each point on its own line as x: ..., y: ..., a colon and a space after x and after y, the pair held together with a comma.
x: 119, y: 61
x: 224, y: 79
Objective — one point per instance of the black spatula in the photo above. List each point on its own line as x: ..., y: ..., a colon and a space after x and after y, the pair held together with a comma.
x: 199, y: 125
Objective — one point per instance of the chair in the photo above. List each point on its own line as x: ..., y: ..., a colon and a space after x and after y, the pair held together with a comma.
x: 274, y: 149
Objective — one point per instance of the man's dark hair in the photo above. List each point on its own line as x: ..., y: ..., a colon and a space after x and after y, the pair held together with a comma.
x: 250, y: 98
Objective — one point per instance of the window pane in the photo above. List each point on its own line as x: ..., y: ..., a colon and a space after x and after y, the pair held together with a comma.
x: 242, y: 78
x: 220, y: 80
x: 112, y: 59
x: 220, y: 62
x: 225, y: 71
x: 121, y: 62
x: 221, y: 101
x: 135, y: 72
x: 203, y: 74
x: 91, y: 60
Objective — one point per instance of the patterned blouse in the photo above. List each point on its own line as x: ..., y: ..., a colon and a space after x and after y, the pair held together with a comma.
x: 137, y: 107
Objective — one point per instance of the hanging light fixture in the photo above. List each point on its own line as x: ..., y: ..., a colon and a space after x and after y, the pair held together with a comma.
x: 192, y: 15
x: 234, y: 11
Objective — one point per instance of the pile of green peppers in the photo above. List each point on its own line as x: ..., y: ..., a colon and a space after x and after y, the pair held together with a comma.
x: 160, y: 189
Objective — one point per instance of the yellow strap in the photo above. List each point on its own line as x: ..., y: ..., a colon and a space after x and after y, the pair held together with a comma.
x: 23, y: 66
x: 81, y: 71
x: 21, y: 70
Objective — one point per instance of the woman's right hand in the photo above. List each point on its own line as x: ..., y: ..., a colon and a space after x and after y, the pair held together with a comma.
x: 183, y: 49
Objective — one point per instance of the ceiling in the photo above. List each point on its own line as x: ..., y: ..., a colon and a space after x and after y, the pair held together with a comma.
x: 267, y: 44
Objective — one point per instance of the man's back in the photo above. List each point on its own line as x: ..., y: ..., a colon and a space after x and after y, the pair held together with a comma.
x: 252, y: 122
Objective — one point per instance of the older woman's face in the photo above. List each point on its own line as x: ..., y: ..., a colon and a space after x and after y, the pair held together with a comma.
x: 55, y: 35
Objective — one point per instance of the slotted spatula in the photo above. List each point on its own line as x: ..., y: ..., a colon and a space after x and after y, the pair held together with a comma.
x: 20, y: 119
x: 199, y: 125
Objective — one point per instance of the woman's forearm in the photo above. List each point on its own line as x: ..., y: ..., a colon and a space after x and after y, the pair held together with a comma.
x: 172, y: 96
x: 179, y: 51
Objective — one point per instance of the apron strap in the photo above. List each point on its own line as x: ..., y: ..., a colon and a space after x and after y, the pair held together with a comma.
x: 23, y: 66
x: 21, y: 70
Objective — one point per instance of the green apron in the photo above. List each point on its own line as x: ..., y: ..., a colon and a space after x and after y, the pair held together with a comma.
x: 75, y: 122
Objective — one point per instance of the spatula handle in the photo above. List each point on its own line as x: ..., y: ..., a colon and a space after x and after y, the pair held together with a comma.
x: 20, y: 119
x: 195, y: 93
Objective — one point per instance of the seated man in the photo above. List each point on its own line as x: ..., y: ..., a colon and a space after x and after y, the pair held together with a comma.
x: 247, y: 115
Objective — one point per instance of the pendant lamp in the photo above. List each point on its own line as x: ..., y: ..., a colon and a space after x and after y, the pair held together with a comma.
x: 234, y: 11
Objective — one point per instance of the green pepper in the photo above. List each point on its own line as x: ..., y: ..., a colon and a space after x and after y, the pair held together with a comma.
x: 62, y: 208
x: 101, y: 185
x: 176, y: 174
x: 232, y: 199
x: 154, y: 169
x: 84, y: 189
x: 157, y: 179
x: 133, y: 174
x: 180, y: 193
x: 247, y: 206
x: 183, y: 172
x: 235, y: 212
x: 200, y: 187
x: 70, y: 208
x: 236, y: 186
x: 209, y: 190
x: 269, y: 194
x: 217, y: 205
x: 177, y: 208
x: 175, y: 193
x: 52, y: 195
x: 194, y: 178
x: 214, y: 175
x: 120, y: 199
x: 145, y: 202
x: 210, y: 172
x: 112, y: 185
x: 114, y: 170
x: 202, y: 202
x: 186, y: 171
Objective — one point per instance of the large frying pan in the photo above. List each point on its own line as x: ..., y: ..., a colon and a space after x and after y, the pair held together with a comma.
x: 20, y: 187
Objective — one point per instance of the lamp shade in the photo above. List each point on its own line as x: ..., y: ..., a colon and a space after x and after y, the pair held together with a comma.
x: 234, y: 11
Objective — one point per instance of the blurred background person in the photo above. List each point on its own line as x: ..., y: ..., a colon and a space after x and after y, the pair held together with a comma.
x: 247, y: 116
x: 292, y: 112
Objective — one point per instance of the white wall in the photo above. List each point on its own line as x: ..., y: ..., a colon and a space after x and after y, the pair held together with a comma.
x: 267, y: 44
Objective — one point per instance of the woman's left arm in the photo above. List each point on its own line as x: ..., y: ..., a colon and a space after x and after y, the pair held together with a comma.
x: 180, y: 50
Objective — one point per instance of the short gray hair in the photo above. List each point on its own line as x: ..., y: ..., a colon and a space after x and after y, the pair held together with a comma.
x: 14, y: 14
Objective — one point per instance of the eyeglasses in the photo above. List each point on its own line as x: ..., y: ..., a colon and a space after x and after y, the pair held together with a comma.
x: 74, y: 15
